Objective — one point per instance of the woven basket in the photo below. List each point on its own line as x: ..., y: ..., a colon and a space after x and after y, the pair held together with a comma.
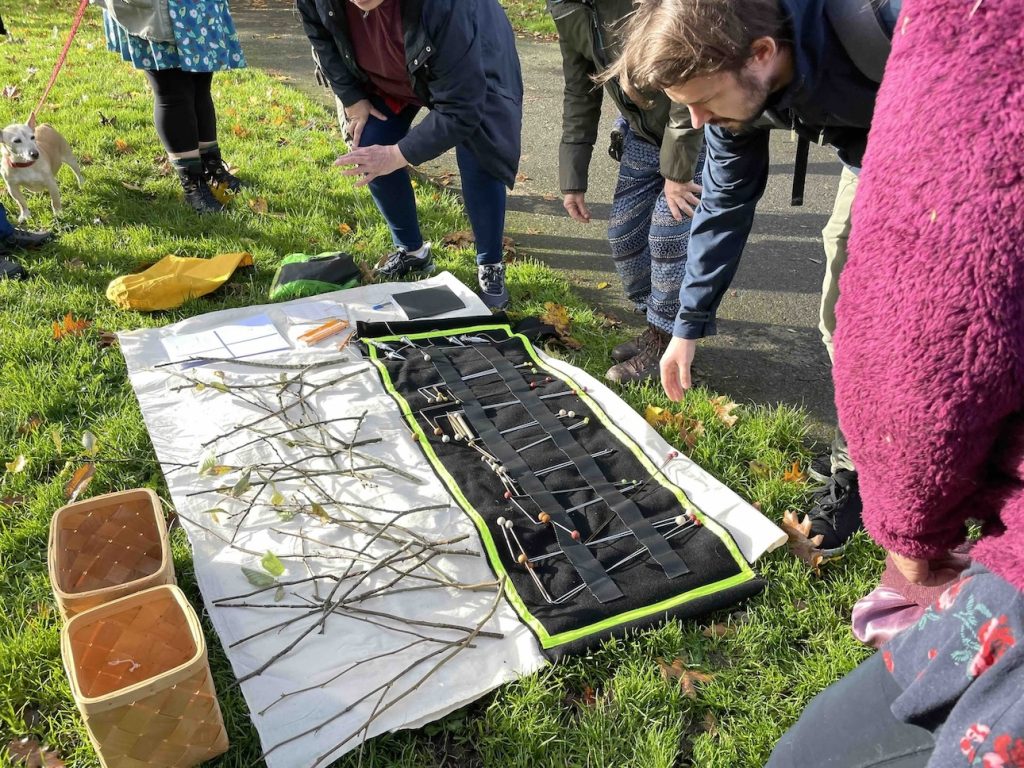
x: 108, y: 547
x: 140, y: 677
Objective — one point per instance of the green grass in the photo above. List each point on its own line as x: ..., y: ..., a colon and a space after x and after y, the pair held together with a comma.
x: 530, y: 17
x: 609, y: 708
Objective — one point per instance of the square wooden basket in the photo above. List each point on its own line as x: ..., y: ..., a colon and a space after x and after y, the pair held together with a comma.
x: 107, y: 547
x: 140, y: 677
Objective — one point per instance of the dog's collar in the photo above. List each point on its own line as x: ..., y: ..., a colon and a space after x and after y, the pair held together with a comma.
x: 18, y: 165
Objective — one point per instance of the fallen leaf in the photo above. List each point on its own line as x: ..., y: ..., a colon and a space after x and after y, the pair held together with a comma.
x: 602, y: 285
x: 258, y: 578
x: 759, y: 469
x: 69, y: 326
x: 282, y: 142
x: 74, y: 265
x: 710, y: 724
x: 724, y: 408
x: 242, y: 484
x: 240, y: 131
x: 589, y: 696
x: 272, y: 564
x: 12, y: 501
x: 794, y: 474
x: 122, y: 147
x: 107, y: 340
x: 716, y: 630
x: 688, y: 678
x: 11, y: 92
x: 804, y: 546
x: 259, y: 205
x: 690, y: 430
x: 28, y: 752
x: 445, y: 179
x: 344, y: 229
x: 31, y: 425
x: 509, y: 253
x: 136, y: 188
x: 608, y: 320
x: 107, y: 121
x: 557, y: 316
x: 461, y: 239
x: 215, y: 513
x: 18, y: 465
x: 522, y: 177
x: 89, y: 442
x: 79, y: 481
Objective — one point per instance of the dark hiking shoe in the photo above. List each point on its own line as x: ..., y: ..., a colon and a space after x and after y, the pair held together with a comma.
x: 645, y: 364
x: 23, y: 238
x: 12, y: 270
x: 836, y: 513
x: 216, y: 173
x: 820, y: 470
x: 627, y: 349
x: 197, y: 194
x: 493, y: 290
x: 401, y: 263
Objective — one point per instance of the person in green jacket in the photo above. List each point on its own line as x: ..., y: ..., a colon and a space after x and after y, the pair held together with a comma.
x: 660, y: 158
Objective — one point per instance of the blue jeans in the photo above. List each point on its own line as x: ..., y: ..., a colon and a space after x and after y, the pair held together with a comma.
x: 6, y: 228
x: 648, y: 245
x: 483, y: 194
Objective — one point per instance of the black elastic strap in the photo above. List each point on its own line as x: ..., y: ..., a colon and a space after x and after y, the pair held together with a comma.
x: 803, y: 147
x: 582, y: 559
x: 624, y: 508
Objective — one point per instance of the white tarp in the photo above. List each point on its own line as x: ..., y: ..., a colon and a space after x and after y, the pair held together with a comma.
x: 182, y: 417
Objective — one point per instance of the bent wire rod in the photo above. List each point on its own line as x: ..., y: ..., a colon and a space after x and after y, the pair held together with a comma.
x: 691, y: 524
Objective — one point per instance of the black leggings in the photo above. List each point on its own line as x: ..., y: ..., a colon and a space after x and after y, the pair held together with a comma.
x: 850, y: 725
x: 182, y: 108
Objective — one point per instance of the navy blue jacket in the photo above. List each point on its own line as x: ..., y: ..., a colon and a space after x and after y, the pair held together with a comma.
x: 828, y: 101
x: 462, y: 63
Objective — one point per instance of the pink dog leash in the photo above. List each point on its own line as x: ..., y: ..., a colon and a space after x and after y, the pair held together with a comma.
x: 60, y: 62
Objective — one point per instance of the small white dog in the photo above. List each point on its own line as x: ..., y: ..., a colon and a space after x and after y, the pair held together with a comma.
x: 31, y: 159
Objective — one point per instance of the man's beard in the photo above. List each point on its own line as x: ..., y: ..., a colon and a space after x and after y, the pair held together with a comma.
x: 756, y: 97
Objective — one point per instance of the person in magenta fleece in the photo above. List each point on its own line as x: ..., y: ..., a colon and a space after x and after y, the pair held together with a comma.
x: 929, y: 373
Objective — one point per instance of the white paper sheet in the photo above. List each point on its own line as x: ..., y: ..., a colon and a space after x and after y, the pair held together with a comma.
x: 181, y: 420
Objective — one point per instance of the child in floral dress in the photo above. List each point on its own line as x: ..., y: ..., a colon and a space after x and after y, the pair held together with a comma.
x: 179, y: 45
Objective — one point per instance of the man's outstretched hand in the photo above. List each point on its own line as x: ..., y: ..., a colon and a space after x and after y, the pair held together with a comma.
x: 675, y: 367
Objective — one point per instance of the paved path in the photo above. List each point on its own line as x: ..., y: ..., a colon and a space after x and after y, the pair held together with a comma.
x: 768, y: 349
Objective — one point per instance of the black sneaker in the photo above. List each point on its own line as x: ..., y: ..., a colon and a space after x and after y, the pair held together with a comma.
x: 401, y: 263
x: 821, y: 469
x: 11, y: 270
x: 836, y: 513
x: 23, y: 238
x: 493, y: 291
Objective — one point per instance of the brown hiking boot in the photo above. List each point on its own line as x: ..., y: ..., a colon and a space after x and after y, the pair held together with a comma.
x: 627, y: 349
x: 645, y: 364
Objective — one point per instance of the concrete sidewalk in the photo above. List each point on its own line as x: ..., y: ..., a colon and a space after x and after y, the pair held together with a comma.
x: 768, y: 348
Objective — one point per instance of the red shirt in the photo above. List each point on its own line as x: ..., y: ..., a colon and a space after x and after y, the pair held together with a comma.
x: 379, y: 45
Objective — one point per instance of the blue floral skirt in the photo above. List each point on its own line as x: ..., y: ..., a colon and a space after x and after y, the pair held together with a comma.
x: 205, y: 40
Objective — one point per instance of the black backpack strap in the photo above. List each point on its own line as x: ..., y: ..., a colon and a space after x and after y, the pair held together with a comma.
x: 862, y: 33
x: 803, y: 146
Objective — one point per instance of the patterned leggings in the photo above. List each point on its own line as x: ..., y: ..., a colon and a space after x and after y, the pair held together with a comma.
x: 648, y: 245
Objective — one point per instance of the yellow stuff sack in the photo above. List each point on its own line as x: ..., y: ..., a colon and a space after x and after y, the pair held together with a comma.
x: 173, y: 280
